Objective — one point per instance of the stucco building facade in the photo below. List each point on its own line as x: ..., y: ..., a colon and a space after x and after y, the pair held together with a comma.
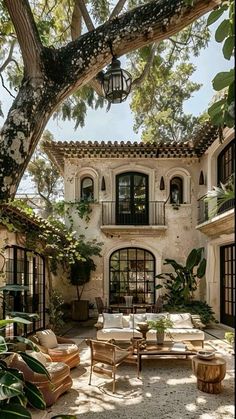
x: 146, y: 206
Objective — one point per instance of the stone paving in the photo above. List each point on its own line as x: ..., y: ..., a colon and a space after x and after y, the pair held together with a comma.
x: 167, y: 387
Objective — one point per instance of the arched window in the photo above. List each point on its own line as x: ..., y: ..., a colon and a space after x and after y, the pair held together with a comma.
x: 87, y: 189
x: 176, y: 190
x: 132, y: 272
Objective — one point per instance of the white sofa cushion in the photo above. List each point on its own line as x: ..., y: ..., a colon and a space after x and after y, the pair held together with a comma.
x: 178, y: 335
x: 47, y: 338
x: 134, y: 319
x: 124, y: 334
x: 155, y: 316
x: 111, y: 320
x: 181, y: 321
x: 125, y: 321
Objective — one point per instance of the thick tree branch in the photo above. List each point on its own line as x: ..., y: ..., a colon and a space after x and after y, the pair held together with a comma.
x: 76, y: 22
x: 9, y: 57
x: 27, y: 34
x: 87, y: 19
x: 75, y: 65
x: 117, y: 9
x: 152, y: 22
x: 139, y: 80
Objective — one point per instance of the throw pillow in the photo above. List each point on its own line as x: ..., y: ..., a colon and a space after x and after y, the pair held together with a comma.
x: 125, y: 321
x: 134, y: 319
x: 155, y: 316
x: 111, y: 320
x: 39, y: 356
x: 181, y: 321
x: 47, y: 338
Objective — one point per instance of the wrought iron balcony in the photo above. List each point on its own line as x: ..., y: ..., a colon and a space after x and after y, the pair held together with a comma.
x: 204, y: 214
x: 141, y: 213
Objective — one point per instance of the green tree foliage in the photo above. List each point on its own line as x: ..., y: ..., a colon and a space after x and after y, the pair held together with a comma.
x: 39, y: 33
x: 158, y: 100
x: 45, y: 177
x: 222, y: 110
x: 53, y: 21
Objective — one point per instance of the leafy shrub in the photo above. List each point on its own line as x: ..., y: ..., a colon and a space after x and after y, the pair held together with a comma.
x: 201, y: 308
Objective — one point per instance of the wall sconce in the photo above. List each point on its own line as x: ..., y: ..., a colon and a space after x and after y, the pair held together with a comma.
x: 116, y: 82
x: 162, y: 184
x: 103, y: 184
x: 201, y: 178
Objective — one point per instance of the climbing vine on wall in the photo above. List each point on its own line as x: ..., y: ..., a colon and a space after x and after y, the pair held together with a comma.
x: 50, y: 238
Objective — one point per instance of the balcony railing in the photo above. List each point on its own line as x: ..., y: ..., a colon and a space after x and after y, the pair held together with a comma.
x: 204, y: 214
x: 151, y: 213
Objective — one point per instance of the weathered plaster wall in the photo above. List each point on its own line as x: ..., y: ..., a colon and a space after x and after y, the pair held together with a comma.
x: 178, y: 239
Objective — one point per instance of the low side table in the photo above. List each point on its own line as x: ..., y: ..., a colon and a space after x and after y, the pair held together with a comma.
x: 209, y: 373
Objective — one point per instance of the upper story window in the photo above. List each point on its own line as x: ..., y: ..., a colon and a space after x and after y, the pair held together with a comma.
x: 87, y: 189
x: 132, y: 198
x: 226, y: 163
x: 176, y: 190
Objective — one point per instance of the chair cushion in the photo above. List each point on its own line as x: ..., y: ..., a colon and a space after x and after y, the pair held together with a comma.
x: 63, y: 349
x: 47, y: 338
x: 181, y: 320
x: 134, y: 319
x: 111, y: 320
x: 38, y: 355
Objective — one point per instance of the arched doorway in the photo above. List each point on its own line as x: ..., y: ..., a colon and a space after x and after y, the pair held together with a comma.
x: 132, y: 272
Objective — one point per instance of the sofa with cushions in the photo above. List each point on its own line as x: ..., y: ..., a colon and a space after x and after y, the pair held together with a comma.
x: 60, y: 379
x: 59, y: 349
x: 122, y: 327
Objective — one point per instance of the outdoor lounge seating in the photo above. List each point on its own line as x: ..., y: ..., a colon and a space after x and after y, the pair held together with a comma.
x: 122, y: 328
x: 60, y: 349
x: 108, y: 354
x: 60, y: 382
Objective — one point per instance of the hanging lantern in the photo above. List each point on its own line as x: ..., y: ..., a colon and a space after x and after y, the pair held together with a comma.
x: 116, y: 82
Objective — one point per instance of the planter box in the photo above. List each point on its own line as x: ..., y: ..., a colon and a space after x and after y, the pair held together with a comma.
x: 80, y: 310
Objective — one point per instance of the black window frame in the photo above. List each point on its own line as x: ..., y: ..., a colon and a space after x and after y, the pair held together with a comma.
x: 128, y: 275
x: 134, y: 215
x: 179, y: 185
x: 25, y: 267
x: 82, y: 196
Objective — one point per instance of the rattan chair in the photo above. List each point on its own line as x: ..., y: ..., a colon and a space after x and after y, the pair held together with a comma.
x: 108, y: 354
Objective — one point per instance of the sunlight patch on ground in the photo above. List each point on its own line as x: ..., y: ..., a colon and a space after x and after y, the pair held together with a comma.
x: 191, y: 407
x: 184, y: 380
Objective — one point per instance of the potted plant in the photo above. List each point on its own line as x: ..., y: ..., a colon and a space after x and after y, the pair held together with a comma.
x: 160, y: 325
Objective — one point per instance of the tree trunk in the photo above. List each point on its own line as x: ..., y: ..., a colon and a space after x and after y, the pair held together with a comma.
x: 56, y: 73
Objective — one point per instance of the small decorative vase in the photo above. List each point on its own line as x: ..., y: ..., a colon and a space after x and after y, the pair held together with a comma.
x: 160, y: 338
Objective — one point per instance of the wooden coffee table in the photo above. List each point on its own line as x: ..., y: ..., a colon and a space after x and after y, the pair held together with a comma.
x: 163, y: 350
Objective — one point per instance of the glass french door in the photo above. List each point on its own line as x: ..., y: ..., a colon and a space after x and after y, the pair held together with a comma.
x: 227, y: 285
x: 132, y: 199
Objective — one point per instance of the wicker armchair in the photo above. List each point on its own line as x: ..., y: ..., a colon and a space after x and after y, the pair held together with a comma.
x: 108, y: 354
